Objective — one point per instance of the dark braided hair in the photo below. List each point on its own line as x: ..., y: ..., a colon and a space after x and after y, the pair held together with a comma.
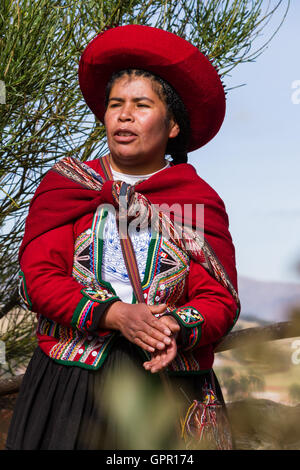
x: 176, y: 147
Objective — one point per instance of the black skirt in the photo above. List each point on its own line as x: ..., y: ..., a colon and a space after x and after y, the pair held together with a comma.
x: 119, y: 406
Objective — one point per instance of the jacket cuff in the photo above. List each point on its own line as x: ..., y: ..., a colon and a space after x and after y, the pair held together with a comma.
x: 23, y: 291
x: 90, y: 309
x: 190, y: 321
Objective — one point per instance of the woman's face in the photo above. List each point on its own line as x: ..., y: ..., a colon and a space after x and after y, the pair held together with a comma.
x: 137, y: 127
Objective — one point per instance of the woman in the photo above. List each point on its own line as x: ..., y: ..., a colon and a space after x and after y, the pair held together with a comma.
x: 90, y: 319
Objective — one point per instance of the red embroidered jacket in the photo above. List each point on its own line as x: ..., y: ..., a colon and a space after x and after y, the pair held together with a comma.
x: 61, y: 281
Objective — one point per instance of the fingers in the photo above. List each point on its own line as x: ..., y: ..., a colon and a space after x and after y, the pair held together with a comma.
x: 161, y: 359
x: 143, y: 345
x: 151, y: 339
x: 159, y: 309
x: 157, y: 332
x: 156, y: 364
x: 140, y: 326
x: 171, y: 323
x: 137, y: 323
x: 167, y: 320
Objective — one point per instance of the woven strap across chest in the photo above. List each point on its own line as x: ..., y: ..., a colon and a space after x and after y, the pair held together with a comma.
x: 126, y: 243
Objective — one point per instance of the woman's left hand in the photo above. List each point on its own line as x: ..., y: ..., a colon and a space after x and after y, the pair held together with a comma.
x: 160, y: 359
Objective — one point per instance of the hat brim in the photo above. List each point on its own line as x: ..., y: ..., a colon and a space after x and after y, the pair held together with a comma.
x: 163, y: 53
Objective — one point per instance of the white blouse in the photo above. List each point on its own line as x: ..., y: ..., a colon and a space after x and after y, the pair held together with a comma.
x: 113, y: 267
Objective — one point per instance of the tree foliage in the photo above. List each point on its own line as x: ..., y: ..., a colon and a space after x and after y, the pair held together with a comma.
x: 45, y: 118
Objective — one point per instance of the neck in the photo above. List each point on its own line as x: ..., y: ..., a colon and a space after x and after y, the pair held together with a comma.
x: 134, y: 169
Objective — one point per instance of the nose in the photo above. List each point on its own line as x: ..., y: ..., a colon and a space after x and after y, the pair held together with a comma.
x: 126, y: 113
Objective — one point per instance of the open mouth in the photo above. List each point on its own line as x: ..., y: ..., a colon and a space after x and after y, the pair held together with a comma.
x: 124, y: 136
x: 124, y: 133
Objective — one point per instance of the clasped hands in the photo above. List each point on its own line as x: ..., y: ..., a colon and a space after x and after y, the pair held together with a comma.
x: 139, y: 325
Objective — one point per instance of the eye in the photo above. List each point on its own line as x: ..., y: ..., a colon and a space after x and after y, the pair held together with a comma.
x: 143, y: 105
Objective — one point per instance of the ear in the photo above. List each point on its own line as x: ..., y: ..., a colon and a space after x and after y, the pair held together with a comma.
x: 174, y: 129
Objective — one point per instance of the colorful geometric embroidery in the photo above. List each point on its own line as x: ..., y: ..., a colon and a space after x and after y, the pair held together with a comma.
x: 189, y: 316
x: 81, y: 349
x: 82, y: 313
x: 169, y: 274
x: 193, y: 338
x: 79, y: 172
x: 183, y: 362
x: 47, y: 327
x: 98, y: 295
x: 82, y: 271
x: 88, y: 351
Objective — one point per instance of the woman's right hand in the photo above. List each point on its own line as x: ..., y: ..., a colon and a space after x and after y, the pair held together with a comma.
x: 138, y: 324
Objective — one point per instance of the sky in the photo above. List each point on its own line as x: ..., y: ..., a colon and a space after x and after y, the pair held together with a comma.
x: 254, y: 161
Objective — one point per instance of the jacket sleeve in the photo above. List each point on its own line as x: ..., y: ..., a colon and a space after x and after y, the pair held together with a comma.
x: 48, y: 287
x: 210, y: 312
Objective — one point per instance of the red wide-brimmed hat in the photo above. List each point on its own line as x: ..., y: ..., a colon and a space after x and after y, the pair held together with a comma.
x: 163, y: 53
